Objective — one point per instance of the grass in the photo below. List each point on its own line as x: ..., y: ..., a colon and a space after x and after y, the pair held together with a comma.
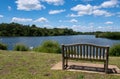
x: 32, y: 65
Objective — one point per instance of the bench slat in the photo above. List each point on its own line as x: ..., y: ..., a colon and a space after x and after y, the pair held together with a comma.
x: 93, y: 52
x: 90, y: 51
x: 80, y: 51
x: 96, y: 52
x: 103, y: 53
x: 87, y: 51
x: 100, y: 53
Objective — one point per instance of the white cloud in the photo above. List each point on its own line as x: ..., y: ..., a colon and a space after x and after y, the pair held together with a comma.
x: 108, y: 22
x: 56, y: 11
x: 83, y: 28
x: 9, y: 8
x: 94, y: 10
x: 89, y: 10
x: 83, y: 9
x: 102, y: 13
x: 1, y: 16
x: 111, y: 3
x: 15, y: 19
x: 93, y: 28
x: 42, y: 19
x: 72, y: 15
x: 54, y: 2
x: 35, y: 4
x: 73, y: 21
x: 104, y: 28
x: 29, y: 5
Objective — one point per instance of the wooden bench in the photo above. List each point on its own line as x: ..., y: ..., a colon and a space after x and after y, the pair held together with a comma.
x: 88, y: 52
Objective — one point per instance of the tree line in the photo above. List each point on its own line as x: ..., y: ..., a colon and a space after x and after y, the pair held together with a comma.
x: 15, y: 29
x: 109, y: 35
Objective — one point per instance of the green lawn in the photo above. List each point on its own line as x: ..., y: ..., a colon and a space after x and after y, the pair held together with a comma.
x: 32, y: 65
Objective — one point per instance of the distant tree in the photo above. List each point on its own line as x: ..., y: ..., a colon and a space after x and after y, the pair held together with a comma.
x: 33, y: 26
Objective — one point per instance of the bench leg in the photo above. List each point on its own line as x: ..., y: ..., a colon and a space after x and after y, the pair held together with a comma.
x: 106, y: 66
x: 66, y: 63
x: 63, y: 63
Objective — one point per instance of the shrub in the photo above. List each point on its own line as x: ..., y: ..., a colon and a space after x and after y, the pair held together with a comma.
x: 3, y: 46
x: 115, y: 50
x: 49, y: 47
x: 21, y: 47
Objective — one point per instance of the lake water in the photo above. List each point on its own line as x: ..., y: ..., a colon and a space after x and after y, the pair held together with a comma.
x: 36, y: 41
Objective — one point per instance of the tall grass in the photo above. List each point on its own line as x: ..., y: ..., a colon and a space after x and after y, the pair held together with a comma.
x: 3, y: 46
x: 115, y: 50
x: 48, y: 47
x: 21, y: 47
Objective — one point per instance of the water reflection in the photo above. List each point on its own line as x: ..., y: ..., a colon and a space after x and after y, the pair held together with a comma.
x: 35, y: 41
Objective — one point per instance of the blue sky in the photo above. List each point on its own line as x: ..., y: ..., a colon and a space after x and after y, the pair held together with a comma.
x: 79, y: 15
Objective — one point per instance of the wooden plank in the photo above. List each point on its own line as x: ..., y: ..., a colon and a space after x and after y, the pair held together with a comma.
x: 80, y: 51
x: 100, y: 53
x: 75, y: 51
x: 96, y: 52
x: 87, y: 51
x: 90, y: 51
x: 72, y: 51
x: 68, y: 51
x: 93, y: 52
x: 103, y: 53
x: 83, y: 51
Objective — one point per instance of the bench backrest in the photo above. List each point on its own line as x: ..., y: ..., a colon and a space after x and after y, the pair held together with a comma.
x: 85, y: 51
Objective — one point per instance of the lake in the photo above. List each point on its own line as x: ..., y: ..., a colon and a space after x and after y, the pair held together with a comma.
x: 36, y: 41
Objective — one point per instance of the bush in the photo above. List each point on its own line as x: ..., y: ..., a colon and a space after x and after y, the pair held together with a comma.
x: 115, y: 50
x: 3, y: 46
x: 21, y: 47
x: 48, y: 47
